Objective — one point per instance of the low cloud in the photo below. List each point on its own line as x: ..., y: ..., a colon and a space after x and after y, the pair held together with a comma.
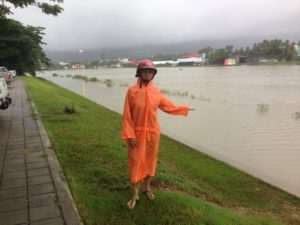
x: 114, y: 24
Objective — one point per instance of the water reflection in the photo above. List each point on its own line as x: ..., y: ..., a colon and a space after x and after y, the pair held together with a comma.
x: 262, y: 108
x: 83, y: 88
x: 297, y: 115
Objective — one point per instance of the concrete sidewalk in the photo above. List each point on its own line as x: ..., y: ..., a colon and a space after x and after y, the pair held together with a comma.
x: 32, y: 186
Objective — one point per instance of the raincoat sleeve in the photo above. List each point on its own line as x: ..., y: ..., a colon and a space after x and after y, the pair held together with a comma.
x: 168, y: 107
x: 127, y: 123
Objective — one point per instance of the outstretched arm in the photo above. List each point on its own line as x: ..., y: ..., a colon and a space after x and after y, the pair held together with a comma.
x: 168, y: 107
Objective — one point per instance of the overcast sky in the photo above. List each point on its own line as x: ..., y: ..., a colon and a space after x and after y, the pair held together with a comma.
x: 88, y: 24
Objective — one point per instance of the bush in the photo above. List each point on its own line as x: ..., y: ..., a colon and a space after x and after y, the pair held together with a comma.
x: 93, y: 79
x: 108, y: 83
x: 80, y: 77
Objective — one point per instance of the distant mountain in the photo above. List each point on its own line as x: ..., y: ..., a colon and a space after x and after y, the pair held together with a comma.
x: 146, y: 50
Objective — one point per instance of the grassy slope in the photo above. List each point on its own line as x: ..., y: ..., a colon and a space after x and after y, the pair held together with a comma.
x: 191, y: 187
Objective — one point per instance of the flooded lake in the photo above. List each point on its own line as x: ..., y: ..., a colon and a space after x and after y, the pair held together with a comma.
x: 247, y: 116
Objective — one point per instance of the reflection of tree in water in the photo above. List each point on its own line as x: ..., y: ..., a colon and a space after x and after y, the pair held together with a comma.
x: 93, y: 79
x: 108, y: 83
x: 124, y: 85
x: 297, y: 115
x: 175, y: 93
x: 83, y: 88
x: 262, y: 108
x: 80, y: 77
x: 186, y: 94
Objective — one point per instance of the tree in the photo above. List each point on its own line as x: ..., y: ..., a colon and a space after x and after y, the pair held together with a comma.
x: 206, y: 50
x: 276, y: 49
x: 229, y: 48
x: 218, y: 56
x: 20, y: 46
x: 247, y: 50
x: 53, y: 9
x: 289, y: 53
x: 242, y: 50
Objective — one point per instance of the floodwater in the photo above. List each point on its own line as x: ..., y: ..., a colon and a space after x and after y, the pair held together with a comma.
x: 246, y: 116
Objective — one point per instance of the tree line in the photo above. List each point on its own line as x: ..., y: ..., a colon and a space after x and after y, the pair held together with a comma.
x: 275, y: 49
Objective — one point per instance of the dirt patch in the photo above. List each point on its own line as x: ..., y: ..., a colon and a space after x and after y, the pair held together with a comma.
x: 160, y: 184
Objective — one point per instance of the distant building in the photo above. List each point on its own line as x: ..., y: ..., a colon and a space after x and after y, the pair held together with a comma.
x: 241, y: 59
x: 271, y: 60
x: 123, y: 60
x: 133, y: 62
x: 78, y: 66
x: 261, y: 57
x: 166, y: 62
x: 192, y: 58
x: 63, y: 63
x: 229, y: 62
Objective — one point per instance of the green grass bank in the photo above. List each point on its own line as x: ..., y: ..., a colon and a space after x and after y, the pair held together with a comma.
x: 190, y: 187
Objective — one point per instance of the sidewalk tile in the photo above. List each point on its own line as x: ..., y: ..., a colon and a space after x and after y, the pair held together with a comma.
x: 39, y: 180
x: 13, y: 168
x: 54, y: 221
x: 36, y: 159
x: 40, y: 189
x: 44, y: 212
x: 14, y: 156
x: 13, y: 218
x: 13, y: 193
x: 14, y: 175
x: 13, y: 183
x: 13, y: 204
x: 38, y: 172
x: 36, y: 165
x: 42, y: 200
x: 14, y: 162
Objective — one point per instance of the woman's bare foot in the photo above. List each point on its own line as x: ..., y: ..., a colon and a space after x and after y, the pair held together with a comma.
x: 132, y: 202
x: 149, y: 194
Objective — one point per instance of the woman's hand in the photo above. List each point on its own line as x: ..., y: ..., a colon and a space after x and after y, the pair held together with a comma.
x: 132, y: 143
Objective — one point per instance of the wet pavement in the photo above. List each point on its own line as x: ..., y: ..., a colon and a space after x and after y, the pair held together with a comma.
x: 33, y: 189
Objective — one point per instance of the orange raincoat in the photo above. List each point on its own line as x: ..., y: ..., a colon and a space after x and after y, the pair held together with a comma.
x: 140, y: 121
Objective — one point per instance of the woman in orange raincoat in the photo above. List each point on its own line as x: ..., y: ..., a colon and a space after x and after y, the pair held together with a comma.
x: 140, y: 127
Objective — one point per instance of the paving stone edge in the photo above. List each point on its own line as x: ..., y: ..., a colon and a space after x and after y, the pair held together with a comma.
x: 70, y: 212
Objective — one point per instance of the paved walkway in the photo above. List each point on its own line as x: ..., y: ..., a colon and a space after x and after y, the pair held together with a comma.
x: 32, y: 186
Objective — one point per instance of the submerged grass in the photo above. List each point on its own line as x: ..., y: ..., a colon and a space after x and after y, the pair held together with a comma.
x: 191, y: 187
